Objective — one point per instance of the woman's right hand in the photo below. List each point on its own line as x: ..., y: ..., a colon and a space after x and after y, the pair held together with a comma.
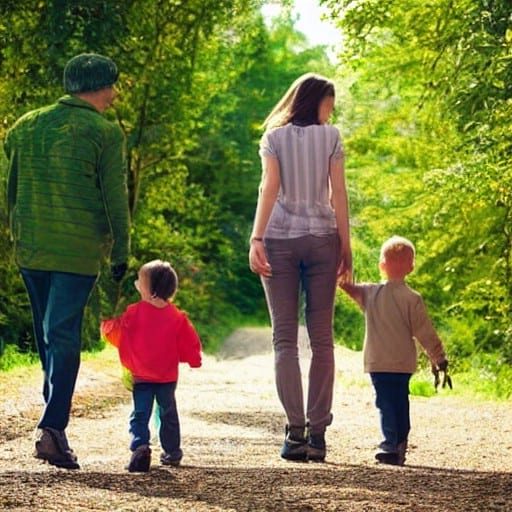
x: 258, y: 259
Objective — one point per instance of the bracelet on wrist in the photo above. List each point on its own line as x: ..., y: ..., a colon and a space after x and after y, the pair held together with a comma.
x: 256, y: 239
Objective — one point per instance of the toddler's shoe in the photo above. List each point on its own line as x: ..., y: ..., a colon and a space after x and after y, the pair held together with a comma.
x: 316, y: 447
x: 140, y: 460
x: 52, y: 445
x: 168, y: 459
x: 295, y: 446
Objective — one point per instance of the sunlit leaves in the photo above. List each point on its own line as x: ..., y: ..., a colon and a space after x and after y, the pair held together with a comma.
x: 428, y: 123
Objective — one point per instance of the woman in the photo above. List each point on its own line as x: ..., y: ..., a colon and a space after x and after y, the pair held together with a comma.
x: 301, y: 241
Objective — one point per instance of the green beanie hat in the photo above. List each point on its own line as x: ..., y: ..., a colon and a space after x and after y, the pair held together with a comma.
x: 89, y: 72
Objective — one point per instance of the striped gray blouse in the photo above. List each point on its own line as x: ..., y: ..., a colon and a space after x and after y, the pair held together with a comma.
x: 303, y: 204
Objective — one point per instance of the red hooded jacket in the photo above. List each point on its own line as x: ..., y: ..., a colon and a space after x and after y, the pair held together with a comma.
x: 153, y: 341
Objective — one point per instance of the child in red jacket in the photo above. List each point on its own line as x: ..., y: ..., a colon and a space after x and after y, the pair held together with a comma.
x: 153, y: 336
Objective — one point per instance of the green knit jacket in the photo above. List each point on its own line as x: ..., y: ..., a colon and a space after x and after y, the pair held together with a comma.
x: 67, y: 196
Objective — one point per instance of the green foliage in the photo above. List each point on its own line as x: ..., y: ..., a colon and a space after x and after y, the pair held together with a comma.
x: 421, y: 386
x: 13, y: 357
x: 15, y: 316
x: 426, y: 96
x: 348, y: 323
x: 424, y: 104
x: 482, y: 376
x: 197, y: 79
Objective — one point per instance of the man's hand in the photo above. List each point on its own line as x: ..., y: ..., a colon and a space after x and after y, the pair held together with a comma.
x: 118, y: 271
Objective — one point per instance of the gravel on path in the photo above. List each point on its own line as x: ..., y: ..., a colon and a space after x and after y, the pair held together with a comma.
x: 460, y: 456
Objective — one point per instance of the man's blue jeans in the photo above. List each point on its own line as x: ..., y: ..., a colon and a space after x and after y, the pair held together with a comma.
x: 392, y: 400
x: 58, y: 300
x: 144, y: 394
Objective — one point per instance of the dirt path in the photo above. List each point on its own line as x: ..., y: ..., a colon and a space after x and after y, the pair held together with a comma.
x: 232, y: 427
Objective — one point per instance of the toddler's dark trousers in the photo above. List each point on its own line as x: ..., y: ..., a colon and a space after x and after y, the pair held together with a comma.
x: 144, y: 394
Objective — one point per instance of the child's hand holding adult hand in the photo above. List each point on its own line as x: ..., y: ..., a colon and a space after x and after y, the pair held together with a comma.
x: 346, y: 278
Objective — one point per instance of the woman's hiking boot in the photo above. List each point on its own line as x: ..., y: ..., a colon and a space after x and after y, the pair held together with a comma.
x: 316, y: 447
x: 295, y: 446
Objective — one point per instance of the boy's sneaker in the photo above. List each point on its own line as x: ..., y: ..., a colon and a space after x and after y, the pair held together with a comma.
x: 387, y: 454
x: 316, y: 447
x: 52, y: 445
x: 140, y: 460
x: 387, y: 458
x: 170, y: 460
x: 295, y: 446
x: 392, y: 455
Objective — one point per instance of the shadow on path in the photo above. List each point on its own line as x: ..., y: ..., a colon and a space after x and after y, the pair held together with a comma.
x: 301, y: 487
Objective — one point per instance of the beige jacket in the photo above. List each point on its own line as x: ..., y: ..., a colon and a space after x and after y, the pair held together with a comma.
x: 396, y: 316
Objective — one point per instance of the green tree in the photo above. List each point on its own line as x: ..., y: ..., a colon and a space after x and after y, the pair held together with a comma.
x: 429, y: 96
x: 159, y: 47
x: 197, y: 79
x: 226, y: 163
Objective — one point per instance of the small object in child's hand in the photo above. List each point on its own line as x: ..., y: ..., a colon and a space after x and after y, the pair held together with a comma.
x: 447, y: 380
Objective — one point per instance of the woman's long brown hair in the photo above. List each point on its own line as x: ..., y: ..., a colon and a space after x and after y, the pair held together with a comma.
x: 301, y: 102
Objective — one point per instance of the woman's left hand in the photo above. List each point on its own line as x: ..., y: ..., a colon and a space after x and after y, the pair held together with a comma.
x: 258, y: 259
x: 345, y: 266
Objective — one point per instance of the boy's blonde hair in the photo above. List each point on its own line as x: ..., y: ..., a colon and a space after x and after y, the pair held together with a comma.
x: 396, y: 248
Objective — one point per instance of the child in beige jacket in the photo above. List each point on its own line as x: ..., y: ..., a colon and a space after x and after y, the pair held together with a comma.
x: 395, y: 316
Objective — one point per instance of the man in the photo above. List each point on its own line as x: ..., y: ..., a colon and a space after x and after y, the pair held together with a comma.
x: 68, y: 209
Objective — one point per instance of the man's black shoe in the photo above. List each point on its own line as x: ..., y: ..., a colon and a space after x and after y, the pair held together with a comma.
x: 52, y: 446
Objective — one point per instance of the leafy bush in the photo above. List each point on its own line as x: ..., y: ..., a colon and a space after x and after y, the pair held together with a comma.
x: 348, y: 323
x: 15, y: 313
x: 420, y: 386
x: 484, y: 376
x: 12, y: 357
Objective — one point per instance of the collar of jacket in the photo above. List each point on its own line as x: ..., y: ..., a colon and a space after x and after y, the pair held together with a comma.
x: 73, y: 101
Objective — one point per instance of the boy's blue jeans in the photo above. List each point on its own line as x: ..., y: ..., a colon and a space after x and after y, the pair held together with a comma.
x: 58, y: 300
x: 144, y: 394
x: 392, y: 400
